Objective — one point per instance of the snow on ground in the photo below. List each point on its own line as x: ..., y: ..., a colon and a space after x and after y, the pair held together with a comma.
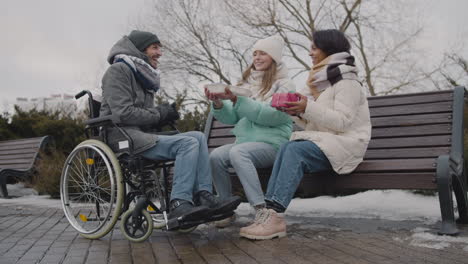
x: 398, y: 205
x: 395, y: 205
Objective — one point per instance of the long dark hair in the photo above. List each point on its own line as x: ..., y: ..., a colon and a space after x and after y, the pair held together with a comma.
x: 331, y: 41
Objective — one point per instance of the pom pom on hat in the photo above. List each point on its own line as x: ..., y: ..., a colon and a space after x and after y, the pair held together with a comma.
x: 272, y: 45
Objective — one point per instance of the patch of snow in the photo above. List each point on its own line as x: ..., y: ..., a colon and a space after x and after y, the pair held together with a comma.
x: 421, y: 238
x: 19, y: 189
x: 395, y: 205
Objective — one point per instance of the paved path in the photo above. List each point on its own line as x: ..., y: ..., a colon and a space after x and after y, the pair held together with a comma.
x: 42, y: 235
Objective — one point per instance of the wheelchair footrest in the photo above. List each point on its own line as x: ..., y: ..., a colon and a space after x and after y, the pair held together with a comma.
x: 177, y: 223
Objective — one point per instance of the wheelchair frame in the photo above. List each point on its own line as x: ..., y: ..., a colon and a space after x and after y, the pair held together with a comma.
x: 130, y: 177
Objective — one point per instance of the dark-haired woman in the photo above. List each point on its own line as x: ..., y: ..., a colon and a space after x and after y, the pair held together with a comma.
x: 335, y: 116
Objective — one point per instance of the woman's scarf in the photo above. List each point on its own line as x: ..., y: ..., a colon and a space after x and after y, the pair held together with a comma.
x: 145, y: 74
x: 332, y: 69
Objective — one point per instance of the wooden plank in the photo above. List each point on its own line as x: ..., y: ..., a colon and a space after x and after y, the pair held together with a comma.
x: 424, y: 130
x: 217, y: 124
x: 17, y: 166
x: 34, y: 146
x: 15, y: 142
x: 221, y: 132
x: 397, y: 165
x: 18, y: 156
x: 17, y: 151
x: 220, y: 141
x: 406, y: 153
x: 404, y: 99
x: 4, y: 163
x: 441, y: 107
x: 363, y: 181
x: 411, y: 120
x: 407, y: 142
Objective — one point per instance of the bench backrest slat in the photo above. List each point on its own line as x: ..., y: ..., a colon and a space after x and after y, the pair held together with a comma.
x: 20, y: 153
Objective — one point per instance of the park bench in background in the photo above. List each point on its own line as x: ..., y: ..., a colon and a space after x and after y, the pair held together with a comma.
x: 17, y: 158
x: 417, y: 143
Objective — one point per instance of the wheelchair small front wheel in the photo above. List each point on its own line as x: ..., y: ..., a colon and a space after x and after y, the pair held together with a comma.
x: 136, y: 229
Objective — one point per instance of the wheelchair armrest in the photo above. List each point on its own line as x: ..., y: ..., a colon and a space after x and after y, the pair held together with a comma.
x: 101, y: 121
x: 168, y: 133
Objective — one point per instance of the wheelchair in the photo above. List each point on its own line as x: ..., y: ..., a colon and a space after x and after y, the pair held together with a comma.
x: 98, y: 187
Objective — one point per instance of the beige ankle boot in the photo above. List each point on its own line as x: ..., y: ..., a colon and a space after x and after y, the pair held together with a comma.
x: 271, y: 225
x: 259, y: 214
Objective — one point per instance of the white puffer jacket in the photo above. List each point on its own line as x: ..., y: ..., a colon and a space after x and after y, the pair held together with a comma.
x: 339, y: 123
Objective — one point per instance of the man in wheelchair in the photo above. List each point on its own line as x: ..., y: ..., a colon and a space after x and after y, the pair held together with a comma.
x: 128, y: 88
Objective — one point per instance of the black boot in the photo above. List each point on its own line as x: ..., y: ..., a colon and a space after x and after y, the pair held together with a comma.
x: 187, y: 211
x: 217, y: 205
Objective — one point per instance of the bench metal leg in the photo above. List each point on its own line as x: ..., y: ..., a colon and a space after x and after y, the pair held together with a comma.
x: 444, y: 185
x: 459, y: 187
x: 3, y: 188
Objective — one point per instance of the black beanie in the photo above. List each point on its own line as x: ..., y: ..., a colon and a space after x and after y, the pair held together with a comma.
x: 142, y: 39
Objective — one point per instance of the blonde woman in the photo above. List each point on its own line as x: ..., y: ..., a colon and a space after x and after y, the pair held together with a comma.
x: 259, y: 128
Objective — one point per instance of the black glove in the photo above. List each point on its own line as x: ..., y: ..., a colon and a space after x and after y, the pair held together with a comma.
x: 172, y: 114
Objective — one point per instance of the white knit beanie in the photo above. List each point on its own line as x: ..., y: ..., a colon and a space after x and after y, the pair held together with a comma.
x: 272, y: 45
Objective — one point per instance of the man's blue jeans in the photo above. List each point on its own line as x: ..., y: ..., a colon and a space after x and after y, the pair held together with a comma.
x: 293, y: 159
x: 192, y: 172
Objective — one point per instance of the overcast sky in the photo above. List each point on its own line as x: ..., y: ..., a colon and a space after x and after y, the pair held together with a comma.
x: 60, y: 46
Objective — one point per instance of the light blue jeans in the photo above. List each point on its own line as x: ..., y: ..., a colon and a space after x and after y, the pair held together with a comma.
x: 192, y: 172
x: 244, y: 158
x: 293, y: 159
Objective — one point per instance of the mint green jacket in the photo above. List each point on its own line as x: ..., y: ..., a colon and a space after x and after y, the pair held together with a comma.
x: 255, y: 121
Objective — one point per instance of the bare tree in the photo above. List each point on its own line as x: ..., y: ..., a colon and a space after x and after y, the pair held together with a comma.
x: 209, y: 41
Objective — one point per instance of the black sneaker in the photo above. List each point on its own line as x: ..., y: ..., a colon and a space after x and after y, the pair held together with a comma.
x: 216, y: 204
x: 187, y: 211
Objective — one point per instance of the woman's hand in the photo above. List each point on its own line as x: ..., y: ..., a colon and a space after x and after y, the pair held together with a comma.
x: 217, y: 103
x: 296, y: 108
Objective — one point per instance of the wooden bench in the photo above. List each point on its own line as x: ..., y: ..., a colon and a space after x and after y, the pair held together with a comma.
x: 17, y: 158
x: 417, y: 143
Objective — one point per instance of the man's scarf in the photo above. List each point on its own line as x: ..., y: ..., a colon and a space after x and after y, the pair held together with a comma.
x: 332, y: 69
x: 145, y: 74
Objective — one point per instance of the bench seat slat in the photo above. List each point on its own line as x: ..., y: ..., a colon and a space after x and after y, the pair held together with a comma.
x: 16, y: 166
x: 397, y: 165
x: 420, y: 180
x: 406, y: 153
x: 427, y: 141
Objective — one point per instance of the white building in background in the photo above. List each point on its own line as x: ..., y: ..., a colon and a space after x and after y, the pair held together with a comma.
x: 63, y: 103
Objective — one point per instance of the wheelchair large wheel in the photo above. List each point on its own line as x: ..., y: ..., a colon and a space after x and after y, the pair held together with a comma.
x: 91, y: 189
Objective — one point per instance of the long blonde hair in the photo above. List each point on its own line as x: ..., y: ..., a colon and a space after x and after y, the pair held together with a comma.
x: 267, y: 80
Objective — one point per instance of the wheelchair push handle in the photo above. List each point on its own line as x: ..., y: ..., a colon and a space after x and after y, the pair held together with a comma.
x: 80, y: 94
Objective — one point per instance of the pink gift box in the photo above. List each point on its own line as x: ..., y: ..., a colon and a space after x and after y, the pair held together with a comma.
x: 280, y: 99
